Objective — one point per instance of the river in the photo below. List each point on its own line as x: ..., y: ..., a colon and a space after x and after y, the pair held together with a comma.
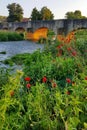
x: 17, y: 47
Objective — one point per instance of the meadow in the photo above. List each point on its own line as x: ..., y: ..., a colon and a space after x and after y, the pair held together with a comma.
x: 50, y: 93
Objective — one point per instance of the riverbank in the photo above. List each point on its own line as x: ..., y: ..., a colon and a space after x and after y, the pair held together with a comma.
x: 11, y: 36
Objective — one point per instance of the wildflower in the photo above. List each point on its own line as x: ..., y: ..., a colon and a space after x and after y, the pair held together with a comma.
x: 69, y: 48
x: 85, y: 78
x: 44, y: 79
x: 28, y: 85
x: 59, y: 46
x: 27, y: 79
x: 68, y: 80
x: 74, y: 53
x: 11, y: 93
x: 68, y: 92
x: 67, y: 40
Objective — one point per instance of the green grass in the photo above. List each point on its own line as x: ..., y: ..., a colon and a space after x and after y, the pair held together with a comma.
x: 11, y: 36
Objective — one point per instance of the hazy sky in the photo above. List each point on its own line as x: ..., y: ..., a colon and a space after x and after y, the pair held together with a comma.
x: 58, y: 7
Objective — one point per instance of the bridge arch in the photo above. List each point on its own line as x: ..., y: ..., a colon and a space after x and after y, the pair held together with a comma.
x: 5, y: 28
x: 40, y: 33
x: 20, y: 29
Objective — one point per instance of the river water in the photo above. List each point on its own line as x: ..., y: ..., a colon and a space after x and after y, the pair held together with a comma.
x: 17, y: 47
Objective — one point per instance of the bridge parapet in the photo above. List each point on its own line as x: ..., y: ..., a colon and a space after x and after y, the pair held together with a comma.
x: 58, y: 26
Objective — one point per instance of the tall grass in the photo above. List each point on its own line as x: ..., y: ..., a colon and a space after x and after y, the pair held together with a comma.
x: 11, y: 36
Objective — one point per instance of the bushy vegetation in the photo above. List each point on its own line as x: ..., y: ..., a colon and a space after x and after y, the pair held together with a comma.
x: 11, y: 36
x: 51, y: 92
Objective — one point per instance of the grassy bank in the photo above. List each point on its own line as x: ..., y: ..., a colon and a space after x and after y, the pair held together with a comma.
x: 11, y: 36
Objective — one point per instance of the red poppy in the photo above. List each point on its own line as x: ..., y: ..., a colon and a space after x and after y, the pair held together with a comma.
x: 68, y: 92
x: 27, y: 79
x: 74, y: 53
x: 85, y: 78
x: 59, y: 46
x: 28, y: 85
x: 68, y: 80
x: 11, y: 93
x: 69, y: 48
x: 44, y: 79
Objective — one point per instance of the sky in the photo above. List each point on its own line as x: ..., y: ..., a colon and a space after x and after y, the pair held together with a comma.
x: 58, y: 7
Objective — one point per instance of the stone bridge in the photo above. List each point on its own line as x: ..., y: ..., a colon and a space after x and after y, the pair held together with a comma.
x: 61, y: 26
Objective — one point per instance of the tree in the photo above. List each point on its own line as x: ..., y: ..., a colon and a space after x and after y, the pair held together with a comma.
x: 43, y: 14
x: 46, y: 14
x: 69, y: 15
x: 35, y: 15
x: 78, y: 14
x: 15, y: 12
x: 74, y: 15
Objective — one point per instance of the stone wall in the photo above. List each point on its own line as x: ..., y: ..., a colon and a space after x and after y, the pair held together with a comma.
x: 61, y: 26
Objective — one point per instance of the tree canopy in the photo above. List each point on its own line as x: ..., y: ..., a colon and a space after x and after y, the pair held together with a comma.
x: 74, y: 15
x: 46, y: 14
x: 35, y: 15
x: 15, y: 12
x: 43, y: 14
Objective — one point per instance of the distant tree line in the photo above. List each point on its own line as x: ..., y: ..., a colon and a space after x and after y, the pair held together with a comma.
x: 74, y: 15
x: 16, y: 14
x: 3, y: 18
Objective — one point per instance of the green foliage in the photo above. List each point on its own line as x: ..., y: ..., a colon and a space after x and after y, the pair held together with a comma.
x: 43, y: 14
x: 35, y: 14
x: 15, y: 12
x: 4, y: 74
x: 11, y: 36
x: 3, y: 37
x: 74, y: 15
x: 51, y: 92
x: 46, y: 14
x: 37, y: 65
x: 81, y: 43
x: 42, y: 108
x: 42, y: 40
x: 18, y: 59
